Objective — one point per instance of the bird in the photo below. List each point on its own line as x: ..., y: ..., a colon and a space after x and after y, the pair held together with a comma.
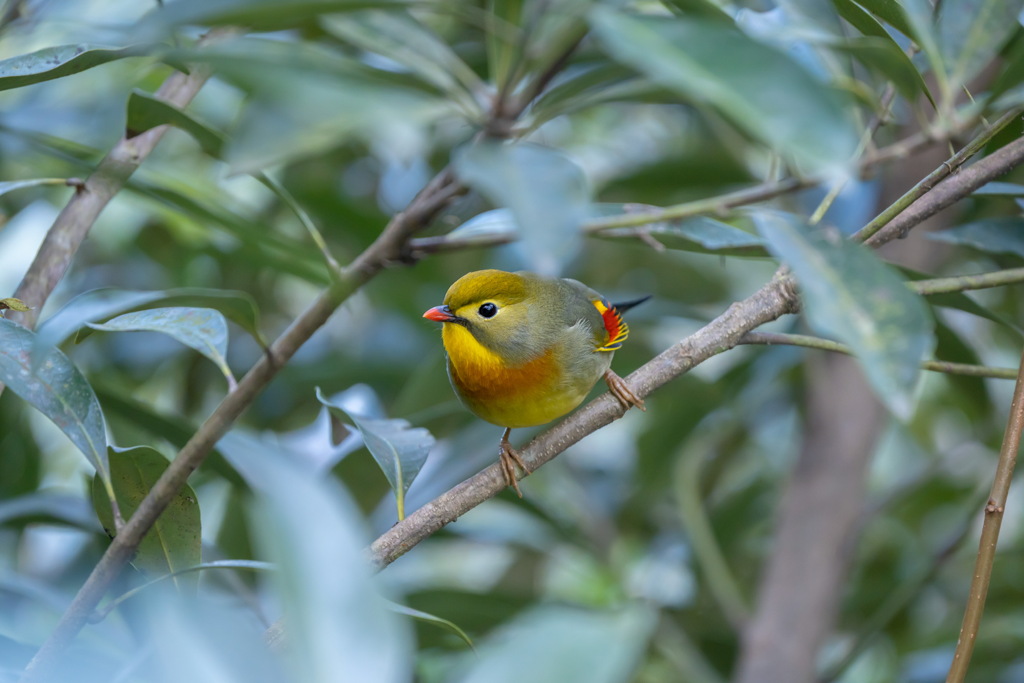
x: 523, y: 349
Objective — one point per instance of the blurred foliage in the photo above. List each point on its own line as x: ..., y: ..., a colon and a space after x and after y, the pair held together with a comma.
x: 636, y: 553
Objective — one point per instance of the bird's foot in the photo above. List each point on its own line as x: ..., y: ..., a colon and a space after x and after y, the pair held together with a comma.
x: 620, y: 390
x: 508, y: 458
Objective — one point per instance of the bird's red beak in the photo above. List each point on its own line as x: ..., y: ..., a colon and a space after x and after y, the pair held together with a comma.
x: 441, y: 314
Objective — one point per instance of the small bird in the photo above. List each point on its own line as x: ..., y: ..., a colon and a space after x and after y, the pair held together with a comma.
x: 525, y: 349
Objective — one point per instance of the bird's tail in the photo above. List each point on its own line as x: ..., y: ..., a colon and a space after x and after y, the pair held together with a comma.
x: 626, y: 305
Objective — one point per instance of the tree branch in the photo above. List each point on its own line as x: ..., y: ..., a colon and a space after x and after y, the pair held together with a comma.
x: 386, y: 249
x: 770, y: 302
x: 994, y: 511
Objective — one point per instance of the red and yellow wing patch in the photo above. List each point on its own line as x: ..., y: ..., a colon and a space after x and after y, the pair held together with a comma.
x: 616, y: 328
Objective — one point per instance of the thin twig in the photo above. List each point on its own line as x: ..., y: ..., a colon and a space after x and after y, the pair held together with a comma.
x: 994, y: 511
x: 809, y: 342
x: 962, y: 283
x: 912, y: 211
x: 770, y: 302
x: 387, y: 248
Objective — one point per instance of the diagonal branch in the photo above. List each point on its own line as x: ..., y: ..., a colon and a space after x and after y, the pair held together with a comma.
x: 386, y: 249
x: 770, y: 302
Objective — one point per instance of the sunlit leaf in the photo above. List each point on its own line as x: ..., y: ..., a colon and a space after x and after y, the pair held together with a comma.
x: 175, y: 542
x: 1000, y: 235
x: 399, y: 448
x: 56, y: 388
x: 202, y: 329
x: 544, y: 189
x: 850, y: 295
x: 55, y: 62
x: 715, y: 65
x: 12, y: 304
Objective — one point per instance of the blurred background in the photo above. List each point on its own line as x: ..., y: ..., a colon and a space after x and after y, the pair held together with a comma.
x: 639, y: 553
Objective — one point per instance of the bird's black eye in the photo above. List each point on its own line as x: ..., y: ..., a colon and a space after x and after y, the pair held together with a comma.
x: 487, y: 310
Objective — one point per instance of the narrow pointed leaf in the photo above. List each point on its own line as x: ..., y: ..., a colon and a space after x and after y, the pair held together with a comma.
x: 398, y: 35
x: 1002, y: 235
x: 544, y: 189
x: 399, y: 449
x: 850, y: 295
x: 428, y: 618
x: 56, y: 388
x: 146, y: 112
x: 715, y: 65
x: 175, y: 542
x: 920, y: 21
x: 12, y: 185
x: 55, y: 62
x: 203, y: 329
x: 972, y: 32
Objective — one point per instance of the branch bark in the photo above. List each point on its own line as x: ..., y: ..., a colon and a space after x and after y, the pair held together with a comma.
x: 994, y: 511
x: 387, y: 248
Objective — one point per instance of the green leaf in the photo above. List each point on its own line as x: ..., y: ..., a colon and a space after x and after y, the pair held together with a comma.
x: 56, y: 388
x: 717, y: 66
x: 49, y: 508
x: 1000, y: 189
x: 146, y: 111
x: 887, y: 59
x: 296, y: 91
x: 921, y: 23
x: 399, y: 449
x: 1003, y: 235
x: 339, y: 627
x: 961, y: 301
x: 12, y: 304
x: 889, y: 11
x: 63, y: 60
x: 100, y: 305
x: 699, y: 234
x: 12, y: 185
x: 582, y: 654
x: 428, y: 618
x: 399, y: 36
x: 850, y: 295
x: 544, y: 189
x: 258, y: 15
x: 202, y: 329
x: 972, y: 32
x: 175, y: 541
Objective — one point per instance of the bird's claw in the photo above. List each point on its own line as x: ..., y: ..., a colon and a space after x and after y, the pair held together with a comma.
x: 508, y: 458
x: 620, y: 390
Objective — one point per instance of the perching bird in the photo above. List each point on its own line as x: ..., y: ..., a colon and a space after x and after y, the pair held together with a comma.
x: 524, y: 349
